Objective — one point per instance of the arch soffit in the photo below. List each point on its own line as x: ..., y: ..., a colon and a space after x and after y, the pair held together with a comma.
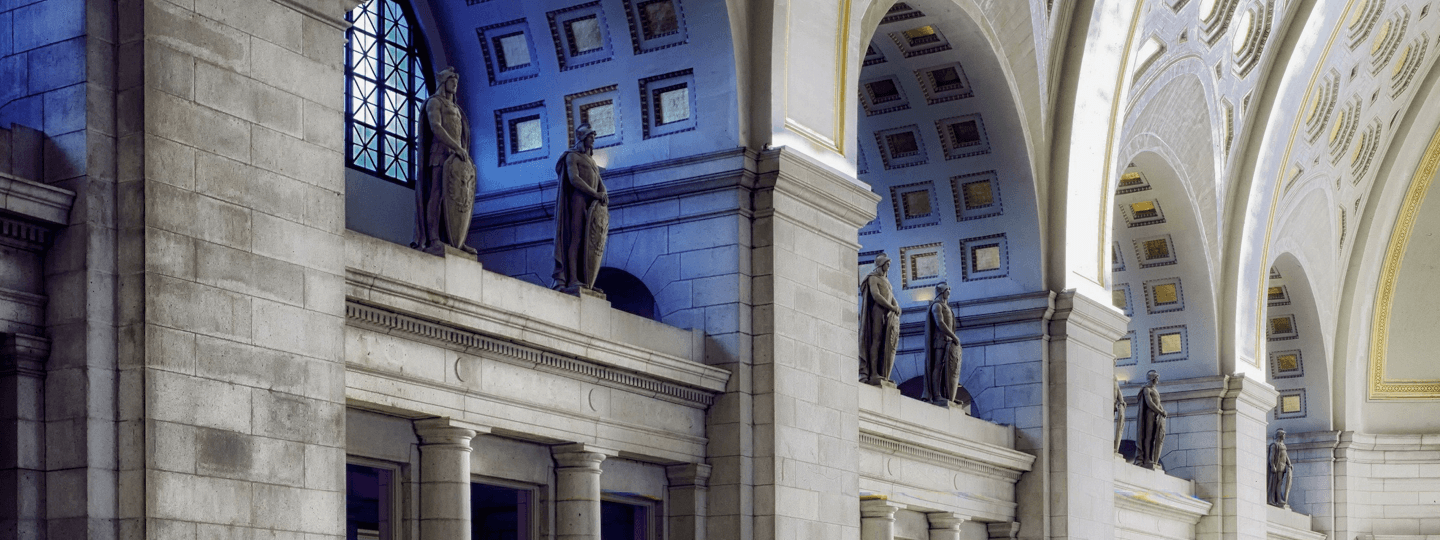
x: 1158, y: 159
x: 1319, y: 382
x: 1019, y: 64
x: 1296, y: 229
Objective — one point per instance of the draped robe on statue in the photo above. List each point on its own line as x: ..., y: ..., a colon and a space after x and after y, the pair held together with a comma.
x: 879, y: 328
x: 1149, y: 427
x: 576, y: 262
x: 942, y: 356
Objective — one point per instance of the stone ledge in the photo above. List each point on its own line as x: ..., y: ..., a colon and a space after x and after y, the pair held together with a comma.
x: 893, y: 423
x: 1157, y: 494
x: 388, y: 322
x: 462, y: 295
x: 35, y: 201
x: 1289, y: 525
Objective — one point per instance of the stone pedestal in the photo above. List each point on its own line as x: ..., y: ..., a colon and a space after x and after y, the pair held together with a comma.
x: 944, y: 525
x: 877, y: 519
x: 444, y: 479
x: 577, y: 492
x: 687, y: 493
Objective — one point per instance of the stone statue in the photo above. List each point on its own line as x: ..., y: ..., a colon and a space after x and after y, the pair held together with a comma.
x: 1149, y: 424
x: 942, y: 350
x: 1119, y: 416
x: 445, y: 190
x: 879, y: 324
x: 582, y: 216
x: 1281, y: 469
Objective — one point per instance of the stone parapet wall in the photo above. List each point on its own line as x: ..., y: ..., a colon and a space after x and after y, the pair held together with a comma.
x: 937, y: 459
x: 1152, y: 504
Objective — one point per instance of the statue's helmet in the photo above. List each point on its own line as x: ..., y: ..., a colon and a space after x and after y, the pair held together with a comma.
x: 446, y: 75
x: 941, y: 289
x: 583, y: 130
x: 881, y: 260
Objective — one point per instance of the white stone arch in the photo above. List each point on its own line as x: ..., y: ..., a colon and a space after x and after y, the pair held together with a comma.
x: 1311, y: 382
x: 1404, y: 165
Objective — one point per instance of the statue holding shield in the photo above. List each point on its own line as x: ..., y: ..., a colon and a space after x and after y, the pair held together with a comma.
x: 582, y: 216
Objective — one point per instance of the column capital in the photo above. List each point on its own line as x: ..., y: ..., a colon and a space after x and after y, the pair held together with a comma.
x: 1075, y: 309
x: 945, y: 521
x: 579, y: 455
x: 446, y: 431
x: 1003, y: 530
x: 1249, y: 396
x: 878, y: 507
x: 688, y: 474
x: 23, y: 354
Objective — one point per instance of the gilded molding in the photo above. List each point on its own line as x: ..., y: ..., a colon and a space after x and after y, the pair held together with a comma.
x: 1380, y: 387
x: 1103, y: 246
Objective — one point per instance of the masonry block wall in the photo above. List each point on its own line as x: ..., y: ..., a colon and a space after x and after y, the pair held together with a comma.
x: 232, y: 261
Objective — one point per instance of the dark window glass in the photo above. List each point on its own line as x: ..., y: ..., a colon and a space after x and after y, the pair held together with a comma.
x: 966, y: 133
x: 385, y: 86
x: 500, y: 513
x: 368, y: 504
x: 621, y: 521
x: 884, y: 90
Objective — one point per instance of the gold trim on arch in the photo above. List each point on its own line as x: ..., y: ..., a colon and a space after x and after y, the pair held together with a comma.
x: 1103, y: 249
x: 1381, y: 388
x: 1283, y: 167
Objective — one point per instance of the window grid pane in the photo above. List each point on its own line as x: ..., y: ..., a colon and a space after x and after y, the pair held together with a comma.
x: 386, y: 85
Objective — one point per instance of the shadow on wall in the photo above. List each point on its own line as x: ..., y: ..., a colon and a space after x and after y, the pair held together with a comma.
x: 627, y: 293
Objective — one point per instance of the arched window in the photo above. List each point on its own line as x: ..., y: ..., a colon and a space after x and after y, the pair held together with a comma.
x: 386, y: 90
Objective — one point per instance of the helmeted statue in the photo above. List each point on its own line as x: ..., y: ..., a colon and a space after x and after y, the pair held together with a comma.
x: 1119, y: 416
x: 1280, y: 470
x: 445, y: 189
x: 1149, y: 424
x: 942, y: 350
x: 879, y: 324
x: 582, y: 215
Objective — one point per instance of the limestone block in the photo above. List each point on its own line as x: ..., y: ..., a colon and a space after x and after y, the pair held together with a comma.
x: 297, y: 159
x: 197, y: 401
x: 299, y: 419
x: 198, y: 126
x: 296, y: 74
x: 56, y: 65
x: 268, y: 20
x: 197, y: 36
x: 298, y: 244
x: 200, y: 499
x: 297, y: 330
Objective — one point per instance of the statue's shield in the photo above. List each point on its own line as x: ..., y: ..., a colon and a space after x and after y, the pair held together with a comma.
x: 459, y: 198
x: 597, y: 228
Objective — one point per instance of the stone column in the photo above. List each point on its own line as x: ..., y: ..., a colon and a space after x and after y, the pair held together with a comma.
x: 1074, y: 477
x: 687, y: 494
x: 945, y: 525
x: 877, y: 519
x: 22, y: 430
x: 577, y: 491
x: 444, y: 479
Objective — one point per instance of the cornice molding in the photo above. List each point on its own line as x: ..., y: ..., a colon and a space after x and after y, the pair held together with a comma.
x: 490, y: 347
x: 41, y: 203
x: 956, y: 461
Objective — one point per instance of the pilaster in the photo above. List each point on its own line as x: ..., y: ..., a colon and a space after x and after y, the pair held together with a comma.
x: 577, y: 491
x: 804, y: 317
x: 1074, y: 476
x: 22, y: 432
x: 1242, y: 472
x: 687, y: 500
